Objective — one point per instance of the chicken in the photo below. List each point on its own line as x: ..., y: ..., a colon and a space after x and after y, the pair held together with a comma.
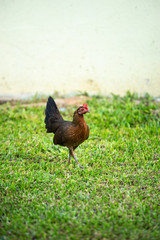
x: 66, y: 133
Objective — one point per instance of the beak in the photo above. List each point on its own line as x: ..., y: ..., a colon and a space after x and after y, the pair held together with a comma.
x: 88, y: 111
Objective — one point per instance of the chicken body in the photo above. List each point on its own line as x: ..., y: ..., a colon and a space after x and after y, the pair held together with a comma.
x: 68, y: 134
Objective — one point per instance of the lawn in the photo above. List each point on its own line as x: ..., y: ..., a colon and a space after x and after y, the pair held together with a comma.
x: 115, y: 196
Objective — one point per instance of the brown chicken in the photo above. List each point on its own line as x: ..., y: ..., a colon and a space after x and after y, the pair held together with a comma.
x: 66, y: 133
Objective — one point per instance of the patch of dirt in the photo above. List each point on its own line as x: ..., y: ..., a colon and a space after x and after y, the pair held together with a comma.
x: 62, y: 102
x: 78, y: 100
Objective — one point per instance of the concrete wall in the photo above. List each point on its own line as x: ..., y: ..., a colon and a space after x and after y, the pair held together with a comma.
x: 97, y: 46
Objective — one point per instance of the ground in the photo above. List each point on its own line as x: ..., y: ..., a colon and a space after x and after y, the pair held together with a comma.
x: 115, y: 196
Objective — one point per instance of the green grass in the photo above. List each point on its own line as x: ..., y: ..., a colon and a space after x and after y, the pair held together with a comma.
x: 115, y: 196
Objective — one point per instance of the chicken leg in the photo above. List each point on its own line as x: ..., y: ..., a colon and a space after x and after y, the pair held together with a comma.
x: 71, y: 153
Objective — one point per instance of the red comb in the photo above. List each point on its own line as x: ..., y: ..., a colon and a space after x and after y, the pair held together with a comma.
x: 84, y: 105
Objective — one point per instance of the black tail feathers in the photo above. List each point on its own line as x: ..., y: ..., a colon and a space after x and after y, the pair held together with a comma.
x: 52, y: 114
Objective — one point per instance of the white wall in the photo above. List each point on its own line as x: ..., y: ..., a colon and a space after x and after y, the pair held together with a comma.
x: 98, y: 46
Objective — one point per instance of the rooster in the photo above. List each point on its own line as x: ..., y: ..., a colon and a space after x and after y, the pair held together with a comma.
x: 66, y: 133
